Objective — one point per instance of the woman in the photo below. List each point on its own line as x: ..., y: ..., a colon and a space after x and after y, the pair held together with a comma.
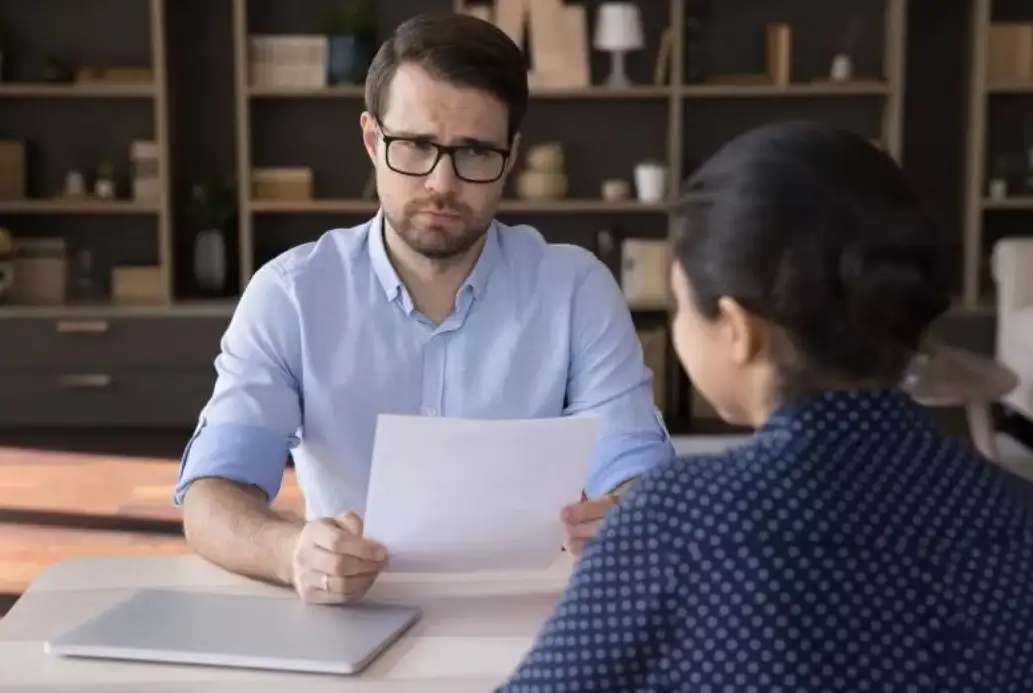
x: 849, y: 545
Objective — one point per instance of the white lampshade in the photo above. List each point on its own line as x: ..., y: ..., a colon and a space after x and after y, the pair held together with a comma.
x: 618, y: 27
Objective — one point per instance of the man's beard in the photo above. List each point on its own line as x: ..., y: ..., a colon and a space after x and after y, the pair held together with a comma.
x: 438, y: 241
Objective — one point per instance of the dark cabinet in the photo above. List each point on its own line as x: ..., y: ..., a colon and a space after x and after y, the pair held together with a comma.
x: 98, y: 371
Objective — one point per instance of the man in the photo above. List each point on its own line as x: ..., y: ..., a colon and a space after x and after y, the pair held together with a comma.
x: 429, y: 308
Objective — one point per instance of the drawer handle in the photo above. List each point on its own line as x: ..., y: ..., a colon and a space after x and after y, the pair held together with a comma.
x: 85, y: 381
x: 82, y: 326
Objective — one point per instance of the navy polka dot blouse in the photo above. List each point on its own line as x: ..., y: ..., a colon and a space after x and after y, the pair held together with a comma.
x: 849, y: 546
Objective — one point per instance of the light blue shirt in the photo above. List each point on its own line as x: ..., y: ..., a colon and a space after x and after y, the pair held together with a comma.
x: 325, y: 337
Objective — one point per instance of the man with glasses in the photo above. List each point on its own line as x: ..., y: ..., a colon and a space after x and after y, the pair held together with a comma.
x: 432, y: 307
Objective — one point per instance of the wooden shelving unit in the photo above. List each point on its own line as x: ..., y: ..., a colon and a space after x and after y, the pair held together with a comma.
x: 143, y: 90
x: 984, y: 94
x: 680, y: 99
x: 331, y: 206
x: 153, y: 92
x: 640, y: 111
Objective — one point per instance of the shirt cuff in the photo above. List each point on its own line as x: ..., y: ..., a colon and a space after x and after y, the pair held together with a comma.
x: 237, y: 452
x: 622, y: 458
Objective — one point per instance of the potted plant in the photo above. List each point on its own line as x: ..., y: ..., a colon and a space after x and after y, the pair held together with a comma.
x: 351, y: 30
x: 210, y: 210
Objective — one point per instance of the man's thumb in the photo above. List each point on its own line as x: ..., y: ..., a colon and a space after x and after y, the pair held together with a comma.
x: 350, y: 522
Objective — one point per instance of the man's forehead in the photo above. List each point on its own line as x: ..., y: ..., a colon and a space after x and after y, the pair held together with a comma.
x: 419, y: 103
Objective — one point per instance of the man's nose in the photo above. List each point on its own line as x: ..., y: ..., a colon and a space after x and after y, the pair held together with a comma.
x: 442, y: 177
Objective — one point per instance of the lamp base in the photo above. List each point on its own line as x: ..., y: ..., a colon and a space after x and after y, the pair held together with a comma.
x: 618, y: 77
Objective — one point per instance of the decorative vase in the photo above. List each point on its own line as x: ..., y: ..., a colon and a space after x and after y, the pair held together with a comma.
x: 546, y: 157
x: 842, y: 68
x: 541, y: 185
x: 651, y: 182
x: 210, y: 261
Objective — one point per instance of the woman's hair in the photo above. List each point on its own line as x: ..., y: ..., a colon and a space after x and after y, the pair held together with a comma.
x: 818, y: 232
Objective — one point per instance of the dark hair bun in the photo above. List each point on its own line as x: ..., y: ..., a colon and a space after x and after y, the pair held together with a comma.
x: 820, y: 233
x: 893, y: 290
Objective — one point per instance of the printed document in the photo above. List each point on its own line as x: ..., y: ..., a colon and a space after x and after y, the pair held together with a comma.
x: 458, y: 495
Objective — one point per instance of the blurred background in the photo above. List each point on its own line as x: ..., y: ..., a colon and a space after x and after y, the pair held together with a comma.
x: 153, y: 153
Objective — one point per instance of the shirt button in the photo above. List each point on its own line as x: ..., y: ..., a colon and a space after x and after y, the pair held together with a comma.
x: 430, y: 411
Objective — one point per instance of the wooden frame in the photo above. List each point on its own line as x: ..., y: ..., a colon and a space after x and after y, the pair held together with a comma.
x: 977, y: 203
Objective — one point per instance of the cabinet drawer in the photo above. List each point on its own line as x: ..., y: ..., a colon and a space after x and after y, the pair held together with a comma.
x: 97, y: 398
x: 61, y: 343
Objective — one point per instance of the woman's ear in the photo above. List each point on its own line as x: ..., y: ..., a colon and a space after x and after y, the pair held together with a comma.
x: 745, y: 333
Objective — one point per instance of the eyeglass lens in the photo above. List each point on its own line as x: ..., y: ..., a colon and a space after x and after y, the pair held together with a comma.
x: 419, y: 158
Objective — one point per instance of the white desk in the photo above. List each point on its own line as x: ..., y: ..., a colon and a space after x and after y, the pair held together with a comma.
x: 474, y: 631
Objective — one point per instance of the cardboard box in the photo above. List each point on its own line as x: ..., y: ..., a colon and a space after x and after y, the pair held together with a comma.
x: 286, y: 184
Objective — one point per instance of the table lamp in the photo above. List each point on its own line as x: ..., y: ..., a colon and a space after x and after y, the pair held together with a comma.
x: 618, y: 29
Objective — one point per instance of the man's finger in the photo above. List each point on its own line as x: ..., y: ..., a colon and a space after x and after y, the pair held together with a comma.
x: 582, y: 530
x: 575, y: 546
x: 332, y: 538
x: 587, y: 511
x: 350, y: 587
x: 349, y: 522
x: 339, y: 565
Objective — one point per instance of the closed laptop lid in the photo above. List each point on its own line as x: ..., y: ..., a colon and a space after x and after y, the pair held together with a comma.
x: 260, y: 632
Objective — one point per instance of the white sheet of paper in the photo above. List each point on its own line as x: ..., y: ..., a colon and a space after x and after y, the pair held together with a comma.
x: 457, y: 495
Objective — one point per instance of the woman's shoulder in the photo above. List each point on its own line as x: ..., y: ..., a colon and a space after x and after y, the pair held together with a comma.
x: 687, y: 481
x: 710, y: 497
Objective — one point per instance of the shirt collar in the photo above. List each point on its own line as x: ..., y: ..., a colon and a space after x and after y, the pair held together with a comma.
x: 382, y: 266
x: 876, y: 409
x: 392, y: 284
x: 490, y: 253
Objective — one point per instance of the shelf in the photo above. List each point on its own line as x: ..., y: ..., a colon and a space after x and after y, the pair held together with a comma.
x: 1010, y: 88
x: 637, y: 91
x: 646, y: 307
x: 101, y: 311
x: 775, y: 91
x: 342, y: 92
x: 331, y: 206
x: 78, y: 90
x: 58, y: 206
x: 324, y: 206
x: 633, y: 92
x: 1017, y: 202
x: 586, y: 206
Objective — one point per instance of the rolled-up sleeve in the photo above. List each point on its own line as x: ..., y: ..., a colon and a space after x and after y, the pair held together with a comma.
x: 609, y: 379
x: 248, y: 426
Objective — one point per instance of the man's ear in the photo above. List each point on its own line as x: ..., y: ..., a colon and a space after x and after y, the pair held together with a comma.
x: 370, y: 138
x: 514, y: 154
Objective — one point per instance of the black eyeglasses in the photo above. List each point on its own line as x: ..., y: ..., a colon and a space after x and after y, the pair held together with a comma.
x: 473, y: 163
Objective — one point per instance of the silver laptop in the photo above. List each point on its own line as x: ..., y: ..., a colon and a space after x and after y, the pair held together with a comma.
x: 238, y: 631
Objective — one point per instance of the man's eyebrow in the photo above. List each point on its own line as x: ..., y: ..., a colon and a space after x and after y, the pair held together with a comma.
x: 427, y: 137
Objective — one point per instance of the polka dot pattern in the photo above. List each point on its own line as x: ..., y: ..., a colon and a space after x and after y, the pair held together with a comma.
x: 850, y: 546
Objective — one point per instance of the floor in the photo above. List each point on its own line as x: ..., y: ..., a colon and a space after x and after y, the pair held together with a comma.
x: 98, y: 496
x: 65, y: 503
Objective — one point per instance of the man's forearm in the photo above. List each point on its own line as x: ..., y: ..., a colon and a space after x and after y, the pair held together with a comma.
x: 232, y: 526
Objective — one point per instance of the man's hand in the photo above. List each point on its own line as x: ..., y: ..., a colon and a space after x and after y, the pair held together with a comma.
x: 332, y: 563
x: 581, y: 520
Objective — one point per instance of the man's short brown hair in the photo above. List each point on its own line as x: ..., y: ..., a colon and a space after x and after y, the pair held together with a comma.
x: 455, y: 48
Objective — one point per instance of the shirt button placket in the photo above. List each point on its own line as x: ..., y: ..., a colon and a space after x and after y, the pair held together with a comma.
x: 433, y: 375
